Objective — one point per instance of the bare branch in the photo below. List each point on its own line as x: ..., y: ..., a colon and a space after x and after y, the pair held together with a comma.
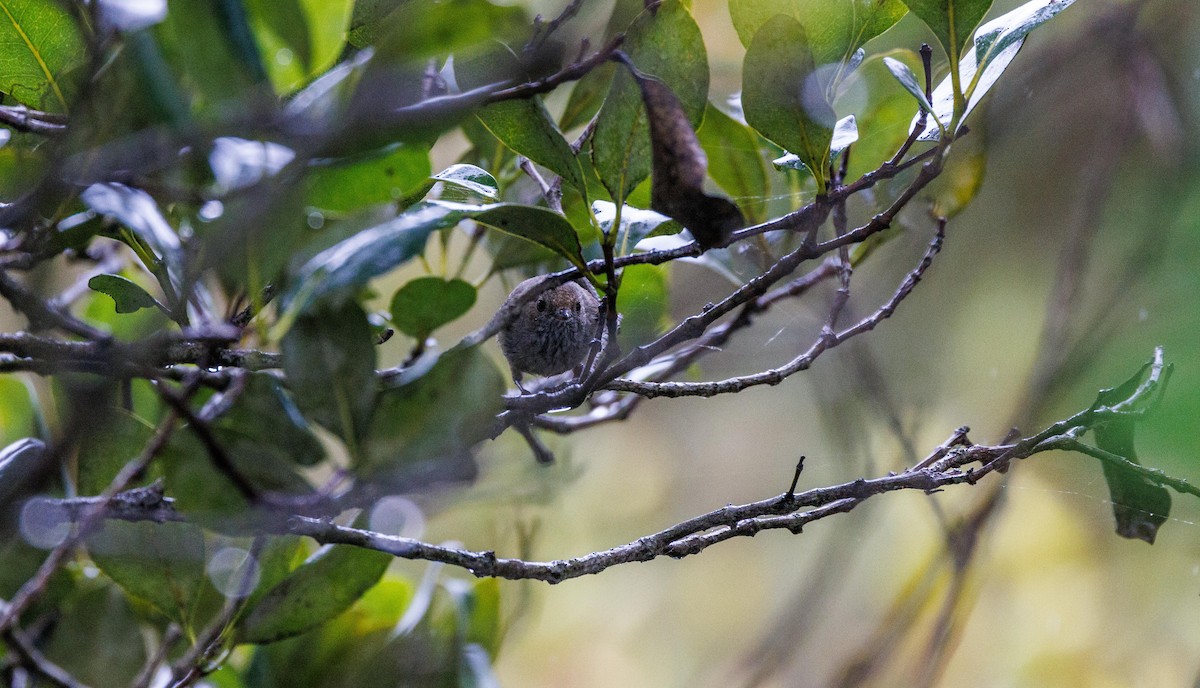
x: 828, y: 339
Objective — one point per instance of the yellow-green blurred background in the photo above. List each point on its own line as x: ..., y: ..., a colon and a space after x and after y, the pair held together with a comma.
x: 1077, y: 258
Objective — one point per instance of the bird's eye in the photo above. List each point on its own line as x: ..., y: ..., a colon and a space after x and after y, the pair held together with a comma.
x: 541, y: 305
x: 577, y: 306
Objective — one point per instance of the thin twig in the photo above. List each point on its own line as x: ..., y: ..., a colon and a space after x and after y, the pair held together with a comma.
x: 829, y: 338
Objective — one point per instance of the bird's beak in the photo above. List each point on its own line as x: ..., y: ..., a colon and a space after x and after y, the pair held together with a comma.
x: 564, y: 313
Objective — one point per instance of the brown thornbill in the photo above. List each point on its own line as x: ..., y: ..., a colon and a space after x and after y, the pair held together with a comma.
x: 550, y: 332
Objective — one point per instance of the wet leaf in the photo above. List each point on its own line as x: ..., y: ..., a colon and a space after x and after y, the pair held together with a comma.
x: 782, y: 99
x: 845, y: 133
x: 666, y: 45
x: 320, y: 589
x: 909, y: 81
x: 526, y: 127
x: 329, y: 359
x: 138, y: 211
x: 884, y: 120
x: 636, y: 224
x: 997, y: 44
x: 127, y: 295
x: 474, y: 179
x: 426, y: 303
x: 539, y: 225
x: 23, y: 469
x: 679, y: 168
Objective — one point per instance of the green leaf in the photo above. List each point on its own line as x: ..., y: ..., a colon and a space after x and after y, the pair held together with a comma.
x: 427, y: 303
x: 961, y: 177
x: 195, y: 41
x: 424, y: 429
x: 643, y: 304
x: 1139, y: 506
x: 127, y: 295
x: 19, y: 414
x: 909, y: 81
x: 885, y: 118
x: 526, y: 127
x: 41, y: 44
x: 329, y: 359
x: 358, y: 639
x: 117, y: 440
x: 483, y: 617
x: 161, y: 563
x: 233, y: 19
x: 281, y: 555
x: 522, y: 124
x: 951, y: 21
x: 587, y: 96
x: 99, y: 640
x: 835, y: 28
x: 780, y: 98
x: 539, y: 225
x: 415, y: 31
x: 997, y: 44
x: 471, y: 178
x: 251, y: 243
x: 338, y: 272
x: 320, y: 589
x: 636, y: 223
x: 845, y: 133
x: 734, y: 160
x: 346, y: 185
x: 210, y: 497
x: 264, y: 420
x: 155, y: 241
x: 666, y: 45
x: 299, y: 39
x: 366, y: 18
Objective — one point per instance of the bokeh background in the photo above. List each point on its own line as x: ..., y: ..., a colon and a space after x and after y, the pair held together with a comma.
x: 1078, y: 256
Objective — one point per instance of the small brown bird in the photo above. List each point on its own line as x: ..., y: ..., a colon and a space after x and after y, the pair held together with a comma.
x: 549, y: 333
